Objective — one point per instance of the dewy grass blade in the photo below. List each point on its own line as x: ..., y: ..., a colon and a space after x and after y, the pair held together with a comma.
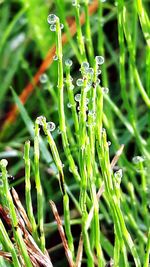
x: 72, y: 102
x: 30, y: 126
x: 61, y: 103
x: 79, y: 31
x: 147, y: 254
x: 28, y: 190
x: 40, y: 204
x: 139, y: 84
x: 62, y: 185
x: 88, y: 34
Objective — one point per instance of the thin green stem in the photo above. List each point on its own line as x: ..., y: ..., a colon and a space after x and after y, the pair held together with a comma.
x: 40, y: 206
x: 61, y: 104
x: 79, y: 31
x: 4, y: 238
x: 28, y: 190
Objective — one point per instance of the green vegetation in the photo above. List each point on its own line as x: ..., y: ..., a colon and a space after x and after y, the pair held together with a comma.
x: 79, y: 139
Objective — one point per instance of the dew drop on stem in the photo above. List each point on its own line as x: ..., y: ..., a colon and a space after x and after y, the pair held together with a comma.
x: 52, y: 18
x: 69, y: 105
x: 118, y: 174
x: 137, y: 159
x: 98, y: 81
x: 43, y: 78
x: 98, y: 72
x: 90, y: 71
x: 68, y: 62
x: 53, y: 27
x: 109, y: 143
x: 85, y: 65
x: 99, y: 60
x: 51, y: 126
x: 105, y: 90
x: 77, y: 97
x: 61, y: 26
x: 55, y: 58
x: 1, y: 183
x: 79, y: 82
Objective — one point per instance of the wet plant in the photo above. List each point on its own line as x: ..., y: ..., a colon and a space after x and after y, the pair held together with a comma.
x: 104, y: 189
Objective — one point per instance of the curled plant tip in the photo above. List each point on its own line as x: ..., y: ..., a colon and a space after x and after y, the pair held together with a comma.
x: 62, y: 234
x: 116, y: 157
x: 79, y: 252
x: 3, y: 163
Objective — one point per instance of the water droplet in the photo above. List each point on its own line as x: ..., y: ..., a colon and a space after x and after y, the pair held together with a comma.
x: 91, y: 124
x: 1, y: 183
x: 85, y: 65
x: 87, y: 101
x: 79, y: 82
x: 52, y: 18
x: 77, y: 97
x: 109, y: 143
x: 118, y: 174
x: 68, y: 62
x: 90, y: 71
x: 103, y: 1
x: 61, y: 26
x: 91, y: 113
x: 43, y: 78
x: 137, y: 159
x: 40, y: 119
x: 55, y: 57
x: 53, y: 27
x: 98, y: 81
x: 105, y: 90
x: 89, y: 85
x: 69, y: 105
x: 68, y: 80
x: 103, y: 130
x: 74, y: 2
x: 72, y: 87
x: 99, y: 60
x: 51, y: 126
x: 98, y: 72
x: 86, y: 108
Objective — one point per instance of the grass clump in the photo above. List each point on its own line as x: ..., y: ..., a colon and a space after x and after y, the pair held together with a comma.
x: 104, y: 192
